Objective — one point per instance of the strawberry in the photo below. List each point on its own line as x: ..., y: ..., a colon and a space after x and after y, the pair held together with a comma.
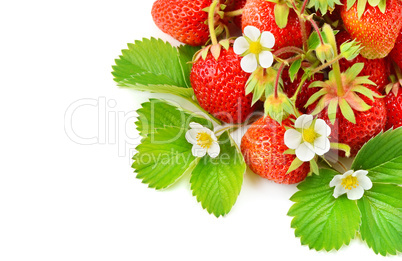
x: 396, y: 53
x: 368, y: 124
x: 183, y: 20
x: 260, y: 13
x: 375, y: 30
x: 393, y: 103
x: 263, y: 149
x: 377, y: 69
x: 219, y: 85
x: 305, y: 93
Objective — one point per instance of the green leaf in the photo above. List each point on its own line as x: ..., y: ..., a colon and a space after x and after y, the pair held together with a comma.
x: 216, y: 182
x: 163, y: 157
x: 161, y: 88
x: 294, y: 68
x: 320, y: 220
x: 158, y: 114
x: 381, y: 209
x: 154, y: 62
x: 382, y: 157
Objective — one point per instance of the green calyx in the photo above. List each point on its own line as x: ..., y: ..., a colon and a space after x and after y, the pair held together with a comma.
x: 323, y: 5
x: 261, y: 81
x: 361, y: 5
x: 348, y: 101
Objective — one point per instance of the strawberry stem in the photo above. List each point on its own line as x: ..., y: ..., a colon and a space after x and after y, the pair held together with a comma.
x: 278, y: 76
x: 289, y: 49
x: 314, y: 24
x: 336, y: 67
x: 234, y: 13
x: 211, y: 22
x: 397, y: 71
x: 329, y: 63
x: 302, y: 22
x: 304, y: 6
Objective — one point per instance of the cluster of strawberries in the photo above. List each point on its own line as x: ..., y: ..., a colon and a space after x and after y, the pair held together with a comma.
x: 357, y: 102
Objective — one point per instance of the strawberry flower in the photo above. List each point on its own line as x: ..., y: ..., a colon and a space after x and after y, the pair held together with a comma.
x: 204, y: 141
x: 256, y: 49
x: 353, y: 183
x: 309, y: 138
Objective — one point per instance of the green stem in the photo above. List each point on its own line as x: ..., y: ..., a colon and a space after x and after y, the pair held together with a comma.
x: 288, y: 49
x: 211, y: 22
x: 304, y: 6
x: 325, y: 65
x: 278, y: 76
x: 234, y: 13
x: 314, y: 24
x: 335, y: 67
x: 204, y: 111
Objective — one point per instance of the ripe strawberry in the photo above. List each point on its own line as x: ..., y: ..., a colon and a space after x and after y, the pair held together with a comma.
x: 262, y: 147
x: 260, y: 13
x: 393, y: 103
x: 305, y: 92
x: 377, y: 69
x: 219, y: 86
x: 396, y: 53
x: 183, y: 20
x: 368, y: 124
x: 376, y: 31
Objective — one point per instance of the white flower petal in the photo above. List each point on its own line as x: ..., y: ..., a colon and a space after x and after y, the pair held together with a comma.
x: 266, y: 59
x: 214, y: 150
x: 241, y: 45
x: 337, y: 180
x: 347, y: 173
x: 322, y: 128
x: 267, y: 40
x: 359, y: 173
x: 365, y: 182
x: 355, y: 193
x: 292, y: 138
x: 252, y: 32
x: 304, y: 153
x: 321, y: 145
x: 249, y: 63
x: 198, y: 151
x: 195, y: 125
x: 304, y: 121
x: 339, y: 190
x: 191, y: 136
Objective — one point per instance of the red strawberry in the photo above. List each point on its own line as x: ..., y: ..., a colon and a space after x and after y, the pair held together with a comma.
x: 396, y: 53
x: 368, y: 124
x: 376, y: 31
x: 393, y: 103
x: 219, y: 86
x: 183, y: 20
x: 262, y: 147
x: 260, y: 13
x: 377, y: 69
x: 305, y: 92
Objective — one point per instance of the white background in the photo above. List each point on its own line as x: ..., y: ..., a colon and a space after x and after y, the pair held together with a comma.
x: 62, y: 200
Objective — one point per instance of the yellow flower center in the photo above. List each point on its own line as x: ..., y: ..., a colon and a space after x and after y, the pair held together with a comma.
x: 350, y: 182
x: 309, y: 135
x: 204, y: 140
x: 255, y: 47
